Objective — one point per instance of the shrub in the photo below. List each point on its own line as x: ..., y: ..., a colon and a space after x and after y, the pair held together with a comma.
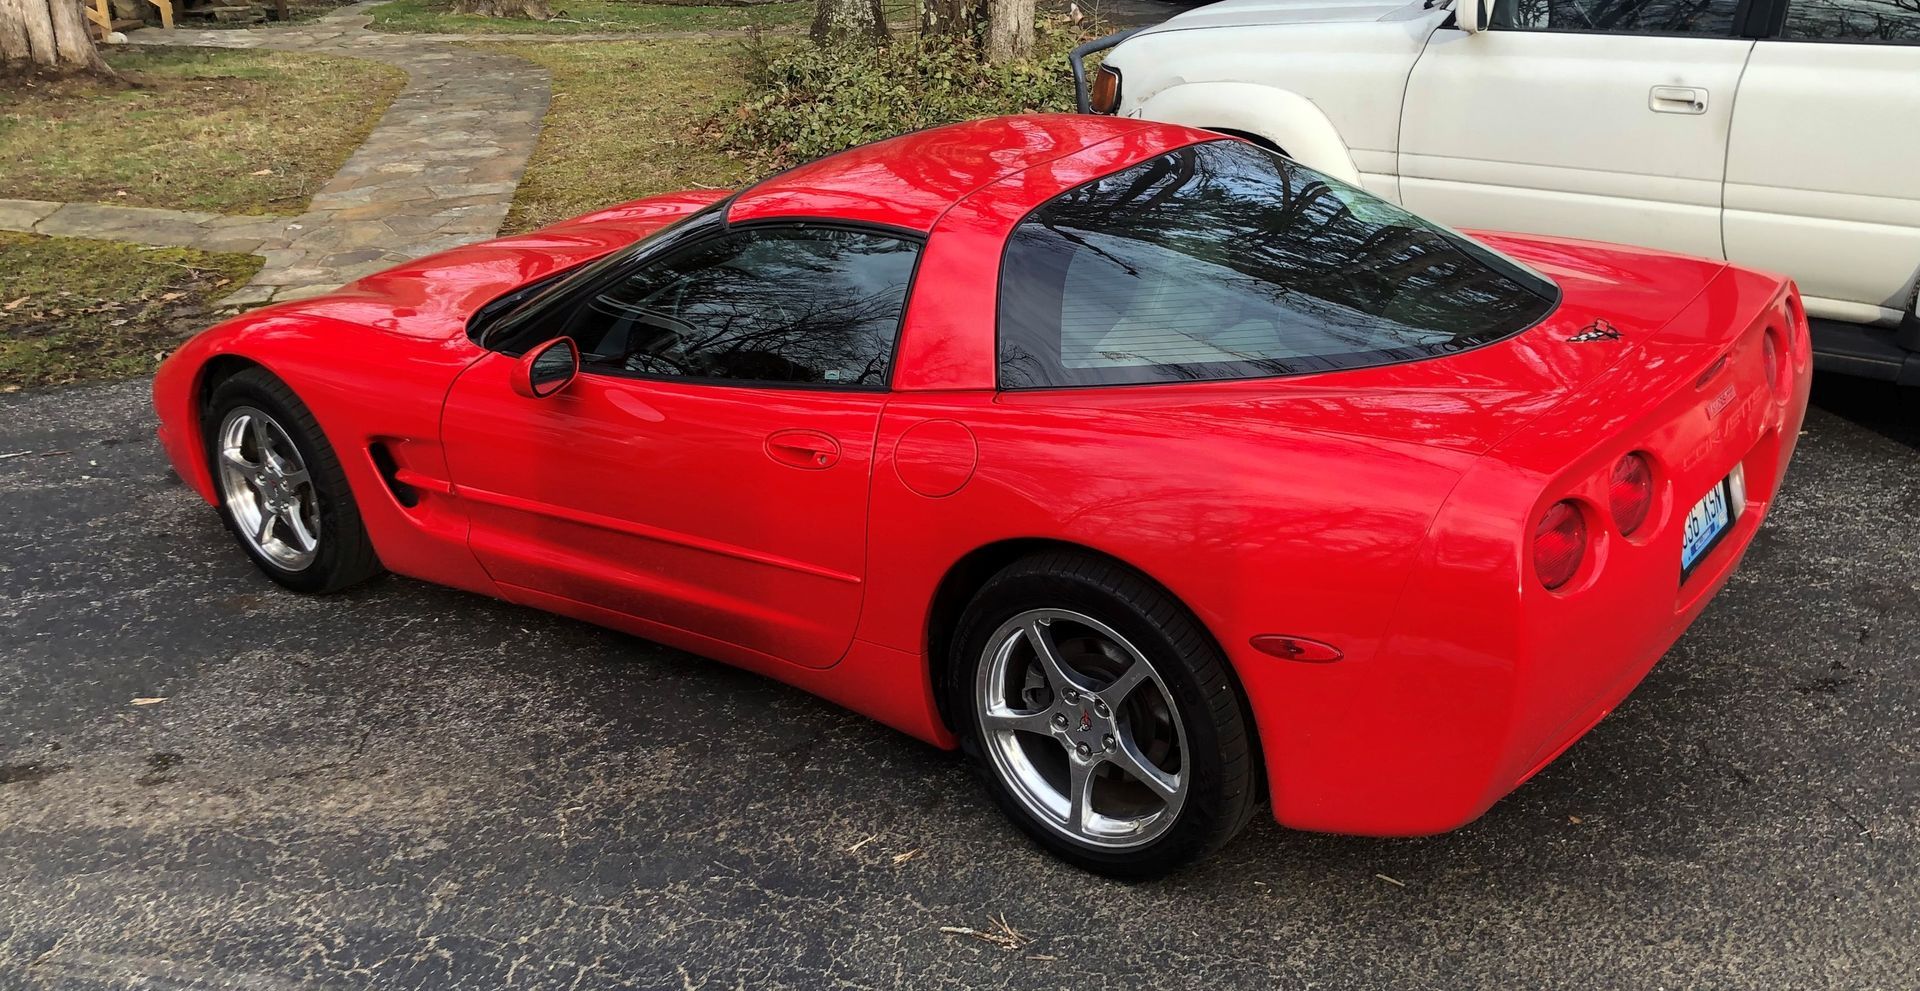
x: 807, y: 101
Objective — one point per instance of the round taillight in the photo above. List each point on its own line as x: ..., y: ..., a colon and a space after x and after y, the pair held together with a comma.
x: 1630, y: 492
x: 1559, y: 542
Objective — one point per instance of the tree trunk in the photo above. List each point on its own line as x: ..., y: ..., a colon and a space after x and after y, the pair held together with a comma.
x: 950, y: 18
x: 1009, y: 29
x: 534, y: 9
x: 859, y: 22
x: 47, y: 36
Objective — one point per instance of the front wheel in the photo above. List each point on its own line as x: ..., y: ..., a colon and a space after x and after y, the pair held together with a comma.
x: 1103, y: 720
x: 282, y: 491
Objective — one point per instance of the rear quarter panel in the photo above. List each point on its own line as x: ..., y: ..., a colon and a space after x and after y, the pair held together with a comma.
x: 1487, y: 674
x: 1259, y: 525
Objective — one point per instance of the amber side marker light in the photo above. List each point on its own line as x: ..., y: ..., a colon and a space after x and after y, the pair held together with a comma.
x: 1105, y: 96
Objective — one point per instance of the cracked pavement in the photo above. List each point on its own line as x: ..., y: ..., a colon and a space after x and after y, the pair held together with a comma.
x: 409, y: 787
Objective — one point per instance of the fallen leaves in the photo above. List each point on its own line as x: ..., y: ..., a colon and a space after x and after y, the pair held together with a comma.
x: 152, y: 700
x: 1393, y: 881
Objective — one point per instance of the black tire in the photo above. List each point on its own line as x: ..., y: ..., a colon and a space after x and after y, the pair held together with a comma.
x: 344, y: 556
x: 1223, y: 790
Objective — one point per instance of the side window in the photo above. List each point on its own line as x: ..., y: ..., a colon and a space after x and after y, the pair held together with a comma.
x: 1853, y: 20
x: 1713, y: 18
x: 798, y: 305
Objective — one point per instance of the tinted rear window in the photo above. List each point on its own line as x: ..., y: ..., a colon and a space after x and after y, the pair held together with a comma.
x: 1224, y: 261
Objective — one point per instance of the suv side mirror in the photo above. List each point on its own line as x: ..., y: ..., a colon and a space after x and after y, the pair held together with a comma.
x: 1472, y: 16
x: 546, y: 369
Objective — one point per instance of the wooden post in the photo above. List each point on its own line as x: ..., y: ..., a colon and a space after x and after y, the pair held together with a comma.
x: 166, y: 12
x: 102, y: 18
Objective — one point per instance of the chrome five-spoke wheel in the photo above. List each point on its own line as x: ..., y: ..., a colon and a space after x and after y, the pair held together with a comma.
x: 268, y: 488
x: 1082, y: 729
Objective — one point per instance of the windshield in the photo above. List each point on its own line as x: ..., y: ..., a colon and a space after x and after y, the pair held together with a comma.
x: 1223, y: 260
x: 505, y: 323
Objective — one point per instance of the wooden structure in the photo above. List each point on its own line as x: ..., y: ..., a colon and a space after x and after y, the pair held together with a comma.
x: 101, y: 15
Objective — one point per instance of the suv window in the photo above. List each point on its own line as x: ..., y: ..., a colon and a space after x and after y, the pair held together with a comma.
x: 799, y: 305
x: 1223, y: 260
x: 1853, y: 20
x: 1703, y: 17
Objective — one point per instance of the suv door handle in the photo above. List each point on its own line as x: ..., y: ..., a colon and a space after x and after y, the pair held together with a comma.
x: 1677, y: 100
x: 809, y: 449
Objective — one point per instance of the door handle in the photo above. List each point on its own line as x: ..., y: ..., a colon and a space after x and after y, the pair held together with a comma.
x: 1677, y: 100
x: 809, y: 449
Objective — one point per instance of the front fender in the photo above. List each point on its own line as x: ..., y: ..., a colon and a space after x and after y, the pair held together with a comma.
x: 1289, y: 120
x: 367, y: 388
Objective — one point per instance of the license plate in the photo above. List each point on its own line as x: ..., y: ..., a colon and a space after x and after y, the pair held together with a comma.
x: 1707, y: 522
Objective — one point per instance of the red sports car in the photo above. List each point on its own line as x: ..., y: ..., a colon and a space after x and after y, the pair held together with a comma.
x: 1158, y: 473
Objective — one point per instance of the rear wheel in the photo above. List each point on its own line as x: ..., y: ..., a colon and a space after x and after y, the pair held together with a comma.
x: 1101, y: 717
x: 282, y: 491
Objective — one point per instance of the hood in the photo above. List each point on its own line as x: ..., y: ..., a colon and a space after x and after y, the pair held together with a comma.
x: 434, y: 296
x: 1240, y: 13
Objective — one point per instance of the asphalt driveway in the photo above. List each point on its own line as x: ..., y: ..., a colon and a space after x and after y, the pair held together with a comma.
x: 206, y: 782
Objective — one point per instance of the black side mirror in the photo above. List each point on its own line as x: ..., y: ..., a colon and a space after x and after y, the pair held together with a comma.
x: 547, y: 368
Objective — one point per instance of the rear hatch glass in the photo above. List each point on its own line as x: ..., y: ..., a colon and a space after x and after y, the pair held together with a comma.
x: 1223, y: 260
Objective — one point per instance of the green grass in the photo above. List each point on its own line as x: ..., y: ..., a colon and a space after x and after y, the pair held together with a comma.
x: 588, y: 16
x: 78, y: 310
x: 629, y: 119
x: 222, y: 131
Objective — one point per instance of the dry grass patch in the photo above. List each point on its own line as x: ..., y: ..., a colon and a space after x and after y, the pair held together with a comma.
x: 223, y: 131
x: 629, y: 119
x: 78, y: 310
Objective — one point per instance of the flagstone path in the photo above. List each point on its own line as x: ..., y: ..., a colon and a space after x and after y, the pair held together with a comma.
x: 439, y: 170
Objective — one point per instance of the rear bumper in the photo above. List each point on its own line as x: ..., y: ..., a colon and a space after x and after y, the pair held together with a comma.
x: 1488, y: 676
x: 1478, y: 727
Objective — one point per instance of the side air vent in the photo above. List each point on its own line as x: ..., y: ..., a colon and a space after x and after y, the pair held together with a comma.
x: 407, y: 495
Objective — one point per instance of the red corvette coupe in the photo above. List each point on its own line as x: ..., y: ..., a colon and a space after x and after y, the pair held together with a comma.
x: 1156, y: 472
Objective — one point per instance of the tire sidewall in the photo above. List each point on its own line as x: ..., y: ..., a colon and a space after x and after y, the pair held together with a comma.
x: 1193, y: 832
x: 242, y: 391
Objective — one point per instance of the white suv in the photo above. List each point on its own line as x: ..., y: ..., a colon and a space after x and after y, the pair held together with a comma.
x: 1781, y: 134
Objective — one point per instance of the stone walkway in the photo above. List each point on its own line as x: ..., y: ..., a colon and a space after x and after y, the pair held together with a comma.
x: 439, y: 170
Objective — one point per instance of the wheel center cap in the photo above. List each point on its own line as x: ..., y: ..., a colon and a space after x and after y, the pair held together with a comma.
x: 1084, y: 730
